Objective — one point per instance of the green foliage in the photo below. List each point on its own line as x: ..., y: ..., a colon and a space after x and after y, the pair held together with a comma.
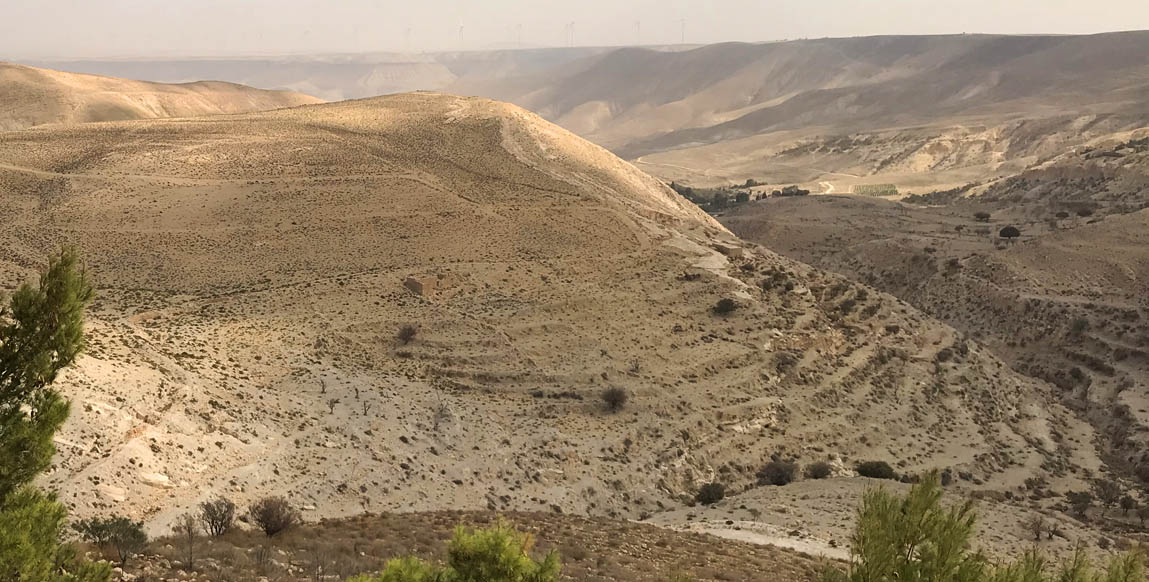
x: 876, y: 189
x: 912, y: 538
x: 498, y: 554
x: 406, y: 569
x: 495, y: 554
x: 41, y: 332
x: 916, y: 538
x: 30, y: 549
x: 121, y: 534
x: 725, y: 306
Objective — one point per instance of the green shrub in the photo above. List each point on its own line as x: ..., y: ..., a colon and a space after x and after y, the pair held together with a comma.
x: 121, y: 534
x: 30, y: 525
x: 819, y: 470
x: 778, y: 473
x: 724, y: 306
x: 495, y: 554
x: 877, y: 470
x: 915, y: 537
x: 876, y: 189
x: 710, y: 493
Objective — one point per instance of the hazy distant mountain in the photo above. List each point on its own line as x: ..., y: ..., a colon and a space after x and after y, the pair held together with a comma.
x: 30, y: 96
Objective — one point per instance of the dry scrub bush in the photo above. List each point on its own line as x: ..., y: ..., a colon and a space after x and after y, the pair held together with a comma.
x: 819, y: 470
x: 218, y: 516
x: 710, y: 493
x: 877, y: 470
x: 778, y: 473
x: 273, y: 515
x: 615, y: 398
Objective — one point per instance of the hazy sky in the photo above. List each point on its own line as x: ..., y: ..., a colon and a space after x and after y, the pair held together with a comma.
x: 100, y: 28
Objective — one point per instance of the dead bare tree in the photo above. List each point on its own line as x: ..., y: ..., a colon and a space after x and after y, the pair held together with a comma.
x: 187, y: 531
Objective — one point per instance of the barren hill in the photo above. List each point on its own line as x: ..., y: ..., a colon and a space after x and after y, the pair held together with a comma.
x: 30, y: 96
x: 1065, y: 305
x: 921, y: 112
x: 255, y: 270
x: 339, y: 77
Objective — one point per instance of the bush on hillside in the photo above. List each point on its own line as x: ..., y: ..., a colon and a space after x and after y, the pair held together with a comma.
x: 218, y: 516
x: 819, y: 470
x: 915, y: 537
x: 273, y: 515
x: 614, y: 398
x: 406, y: 334
x: 710, y: 493
x: 724, y: 306
x: 124, y: 536
x: 877, y: 470
x: 495, y: 554
x: 778, y: 473
x: 1010, y: 232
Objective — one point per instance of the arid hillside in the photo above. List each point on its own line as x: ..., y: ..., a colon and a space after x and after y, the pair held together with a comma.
x: 417, y: 302
x: 919, y: 112
x: 1064, y: 302
x: 834, y: 115
x: 30, y: 96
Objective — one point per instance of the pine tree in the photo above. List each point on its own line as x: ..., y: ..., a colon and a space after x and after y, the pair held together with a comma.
x: 917, y: 538
x: 41, y: 332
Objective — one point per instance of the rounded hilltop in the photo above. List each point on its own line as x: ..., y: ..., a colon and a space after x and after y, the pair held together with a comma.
x: 31, y: 96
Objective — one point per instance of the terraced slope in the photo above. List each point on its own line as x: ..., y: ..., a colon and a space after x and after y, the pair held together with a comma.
x: 255, y: 270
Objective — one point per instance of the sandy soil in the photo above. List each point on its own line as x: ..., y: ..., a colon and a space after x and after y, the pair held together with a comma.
x: 31, y: 96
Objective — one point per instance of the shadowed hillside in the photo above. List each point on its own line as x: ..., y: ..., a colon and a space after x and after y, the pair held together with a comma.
x: 922, y: 112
